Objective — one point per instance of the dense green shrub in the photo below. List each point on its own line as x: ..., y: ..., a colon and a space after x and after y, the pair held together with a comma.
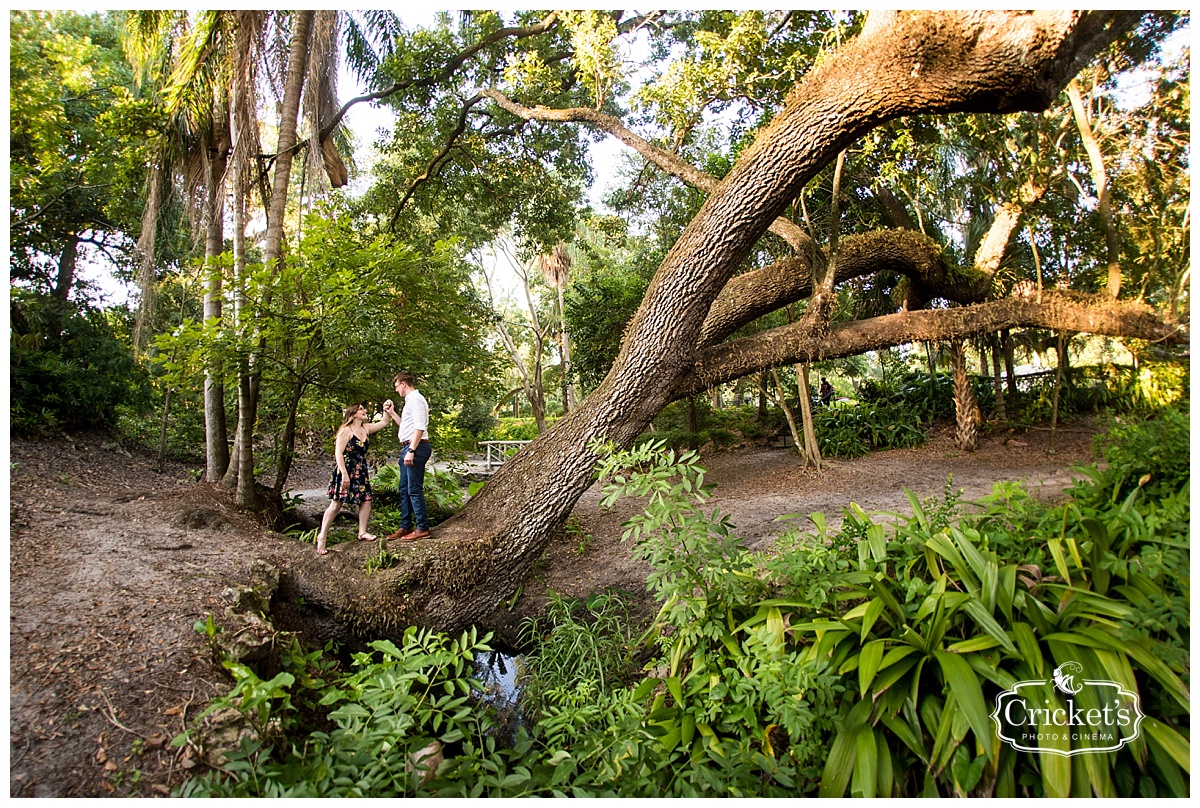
x: 1154, y: 453
x: 66, y: 367
x: 578, y: 651
x: 476, y: 417
x: 861, y: 660
x: 512, y: 429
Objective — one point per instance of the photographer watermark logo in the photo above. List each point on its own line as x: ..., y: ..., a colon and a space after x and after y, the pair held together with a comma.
x: 1067, y: 714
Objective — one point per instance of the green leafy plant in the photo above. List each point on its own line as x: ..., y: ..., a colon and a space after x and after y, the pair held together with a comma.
x: 576, y: 533
x: 381, y: 559
x: 396, y: 701
x: 860, y: 661
x: 443, y: 491
x: 68, y: 369
x: 579, y: 646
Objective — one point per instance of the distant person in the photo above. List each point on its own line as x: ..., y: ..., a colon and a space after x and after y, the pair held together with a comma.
x: 826, y: 392
x: 415, y: 451
x: 351, y: 481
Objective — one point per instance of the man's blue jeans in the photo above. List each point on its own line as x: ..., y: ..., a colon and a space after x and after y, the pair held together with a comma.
x: 412, y: 487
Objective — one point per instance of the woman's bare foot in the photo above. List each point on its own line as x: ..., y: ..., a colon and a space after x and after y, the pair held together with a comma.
x: 321, y: 547
x: 366, y: 537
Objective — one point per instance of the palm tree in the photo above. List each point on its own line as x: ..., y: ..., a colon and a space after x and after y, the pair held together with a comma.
x: 554, y: 267
x: 212, y: 61
x: 190, y: 59
x: 966, y: 409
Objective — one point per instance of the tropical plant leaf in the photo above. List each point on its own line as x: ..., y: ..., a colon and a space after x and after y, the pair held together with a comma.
x: 964, y: 684
x: 868, y: 665
x: 1169, y: 741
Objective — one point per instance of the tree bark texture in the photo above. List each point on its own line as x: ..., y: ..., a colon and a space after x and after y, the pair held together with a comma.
x: 903, y: 63
x: 796, y: 343
x: 997, y: 383
x: 1091, y: 145
x: 215, y: 430
x: 67, y: 260
x: 1010, y: 367
x: 812, y: 452
x: 966, y: 410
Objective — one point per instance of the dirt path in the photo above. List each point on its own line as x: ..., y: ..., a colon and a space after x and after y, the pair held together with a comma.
x: 756, y: 485
x: 112, y: 562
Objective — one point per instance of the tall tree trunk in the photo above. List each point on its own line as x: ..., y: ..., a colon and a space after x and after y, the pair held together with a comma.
x: 812, y: 452
x: 564, y: 352
x: 67, y: 261
x: 1010, y: 367
x: 1091, y: 145
x: 287, y: 441
x: 147, y: 273
x: 1058, y: 380
x: 537, y: 398
x: 968, y: 62
x: 247, y: 496
x: 762, y: 397
x: 239, y: 305
x: 787, y: 413
x: 997, y: 383
x: 216, y: 435
x: 966, y: 410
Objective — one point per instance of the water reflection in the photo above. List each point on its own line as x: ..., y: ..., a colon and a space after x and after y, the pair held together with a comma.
x: 500, y: 674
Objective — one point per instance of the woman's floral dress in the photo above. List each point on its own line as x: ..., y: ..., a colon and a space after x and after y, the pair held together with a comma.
x: 356, y: 468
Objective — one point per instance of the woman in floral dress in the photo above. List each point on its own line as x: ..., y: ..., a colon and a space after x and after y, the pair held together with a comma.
x: 350, y: 483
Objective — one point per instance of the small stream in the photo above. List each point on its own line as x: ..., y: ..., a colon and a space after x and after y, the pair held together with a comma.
x: 499, y: 671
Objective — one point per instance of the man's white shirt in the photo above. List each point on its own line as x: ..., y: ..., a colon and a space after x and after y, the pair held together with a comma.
x: 414, y: 416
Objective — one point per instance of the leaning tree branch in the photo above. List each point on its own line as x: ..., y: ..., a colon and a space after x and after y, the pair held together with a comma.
x: 450, y: 68
x: 438, y: 160
x: 1063, y: 310
x: 995, y: 242
x: 906, y: 252
x: 662, y: 158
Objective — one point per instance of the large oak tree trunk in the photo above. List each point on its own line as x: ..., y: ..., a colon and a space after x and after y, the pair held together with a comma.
x: 903, y: 63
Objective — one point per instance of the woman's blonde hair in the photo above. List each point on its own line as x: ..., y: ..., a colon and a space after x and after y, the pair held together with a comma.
x: 348, y: 415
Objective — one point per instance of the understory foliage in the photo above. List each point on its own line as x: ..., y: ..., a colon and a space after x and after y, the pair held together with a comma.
x: 67, y: 367
x: 897, y: 412
x: 860, y: 661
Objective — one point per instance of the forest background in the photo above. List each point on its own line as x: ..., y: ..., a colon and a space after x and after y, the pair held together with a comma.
x: 201, y: 156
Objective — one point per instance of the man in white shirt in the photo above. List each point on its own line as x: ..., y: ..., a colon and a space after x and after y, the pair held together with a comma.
x: 415, y: 452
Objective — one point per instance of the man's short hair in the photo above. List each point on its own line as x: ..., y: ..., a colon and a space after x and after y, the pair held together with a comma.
x: 406, y: 377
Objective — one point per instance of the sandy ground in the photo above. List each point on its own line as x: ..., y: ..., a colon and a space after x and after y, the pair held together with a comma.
x: 112, y: 561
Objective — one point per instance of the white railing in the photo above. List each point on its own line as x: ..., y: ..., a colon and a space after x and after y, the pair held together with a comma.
x: 496, y: 450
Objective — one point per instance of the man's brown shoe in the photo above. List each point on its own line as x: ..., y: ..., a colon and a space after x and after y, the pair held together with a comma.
x: 401, y: 533
x: 416, y: 534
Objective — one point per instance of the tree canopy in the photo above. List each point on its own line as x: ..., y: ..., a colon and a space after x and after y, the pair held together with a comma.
x: 800, y: 186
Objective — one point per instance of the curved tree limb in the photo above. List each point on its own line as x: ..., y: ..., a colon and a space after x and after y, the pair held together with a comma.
x: 438, y: 159
x: 991, y: 249
x: 670, y: 163
x: 1061, y: 310
x: 906, y: 252
x: 450, y: 68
